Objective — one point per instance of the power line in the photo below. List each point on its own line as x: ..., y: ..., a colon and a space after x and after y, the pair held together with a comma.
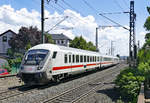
x: 116, y: 2
x: 103, y: 15
x: 112, y: 13
x: 58, y: 23
x: 54, y: 8
x: 126, y: 4
x: 70, y: 6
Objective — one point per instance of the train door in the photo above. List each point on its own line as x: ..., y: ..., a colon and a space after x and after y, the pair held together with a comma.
x: 70, y: 61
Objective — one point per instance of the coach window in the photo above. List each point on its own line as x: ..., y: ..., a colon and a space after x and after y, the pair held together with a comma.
x: 98, y: 59
x: 77, y: 58
x: 88, y: 58
x: 54, y: 55
x: 65, y: 58
x: 73, y: 58
x: 81, y: 58
x: 84, y: 58
x: 95, y: 58
x: 69, y: 58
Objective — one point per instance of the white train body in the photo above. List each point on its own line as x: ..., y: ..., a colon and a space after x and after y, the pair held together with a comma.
x: 46, y: 62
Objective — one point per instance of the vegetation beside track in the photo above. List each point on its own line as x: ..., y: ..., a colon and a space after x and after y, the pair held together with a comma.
x: 129, y: 80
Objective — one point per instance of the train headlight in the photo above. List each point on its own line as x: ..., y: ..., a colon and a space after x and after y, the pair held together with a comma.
x: 39, y: 68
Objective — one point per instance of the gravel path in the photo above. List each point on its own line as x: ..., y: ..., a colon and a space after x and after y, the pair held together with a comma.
x: 8, y: 83
x: 52, y: 90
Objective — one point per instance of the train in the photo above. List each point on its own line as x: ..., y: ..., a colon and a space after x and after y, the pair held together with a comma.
x: 49, y: 62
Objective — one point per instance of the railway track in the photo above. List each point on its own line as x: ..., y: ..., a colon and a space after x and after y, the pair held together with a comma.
x: 4, y: 95
x: 9, y: 75
x: 76, y: 94
x: 72, y: 95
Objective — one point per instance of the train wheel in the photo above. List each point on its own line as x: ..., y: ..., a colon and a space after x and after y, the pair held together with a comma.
x: 56, y: 78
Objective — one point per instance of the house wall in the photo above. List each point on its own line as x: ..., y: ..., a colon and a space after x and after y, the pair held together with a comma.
x: 4, y: 45
x: 65, y: 42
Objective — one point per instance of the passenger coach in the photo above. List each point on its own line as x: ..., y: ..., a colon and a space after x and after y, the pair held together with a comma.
x: 46, y: 62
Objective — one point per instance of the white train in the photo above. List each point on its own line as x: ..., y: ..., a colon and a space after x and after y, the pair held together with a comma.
x: 46, y: 62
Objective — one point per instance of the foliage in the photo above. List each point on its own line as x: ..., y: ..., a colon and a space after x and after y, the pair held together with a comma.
x: 28, y: 46
x: 49, y: 39
x: 144, y: 55
x: 147, y: 24
x: 80, y: 43
x: 129, y: 81
x: 6, y: 66
x: 10, y: 52
x: 25, y: 37
x: 15, y: 61
x: 147, y: 36
x: 91, y: 47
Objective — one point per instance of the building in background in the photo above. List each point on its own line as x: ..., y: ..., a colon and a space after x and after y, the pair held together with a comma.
x: 4, y: 38
x: 61, y: 39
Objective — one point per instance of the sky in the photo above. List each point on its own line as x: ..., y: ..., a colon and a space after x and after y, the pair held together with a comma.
x: 79, y: 19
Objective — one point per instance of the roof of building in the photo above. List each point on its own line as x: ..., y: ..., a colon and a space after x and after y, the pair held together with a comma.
x: 59, y: 37
x: 7, y: 32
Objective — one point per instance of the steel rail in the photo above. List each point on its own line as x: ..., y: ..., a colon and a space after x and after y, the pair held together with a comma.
x: 73, y: 94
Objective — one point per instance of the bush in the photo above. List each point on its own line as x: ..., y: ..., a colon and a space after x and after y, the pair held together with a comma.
x: 129, y: 81
x: 6, y: 66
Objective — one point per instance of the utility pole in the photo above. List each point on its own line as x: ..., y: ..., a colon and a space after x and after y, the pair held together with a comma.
x: 111, y: 47
x: 96, y: 39
x: 138, y: 47
x: 42, y: 21
x: 132, y: 46
x: 104, y: 26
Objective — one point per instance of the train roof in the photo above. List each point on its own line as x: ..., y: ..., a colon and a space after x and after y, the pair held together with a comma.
x: 53, y: 47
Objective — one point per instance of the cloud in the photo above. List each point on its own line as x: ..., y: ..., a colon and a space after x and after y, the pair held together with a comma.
x: 14, y: 19
x: 85, y: 26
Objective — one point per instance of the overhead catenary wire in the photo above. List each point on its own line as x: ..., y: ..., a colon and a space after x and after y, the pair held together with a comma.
x: 71, y: 6
x: 118, y: 5
x: 103, y: 15
x: 112, y: 13
x: 126, y: 4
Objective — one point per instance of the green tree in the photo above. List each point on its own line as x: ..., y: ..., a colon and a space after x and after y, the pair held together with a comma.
x: 28, y: 46
x: 26, y: 36
x: 91, y: 46
x: 147, y: 22
x: 80, y: 43
x: 49, y: 39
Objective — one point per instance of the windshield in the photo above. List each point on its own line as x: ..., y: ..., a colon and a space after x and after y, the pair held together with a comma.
x: 35, y: 57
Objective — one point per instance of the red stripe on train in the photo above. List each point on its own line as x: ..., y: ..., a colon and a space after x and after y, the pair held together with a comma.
x: 66, y: 67
x: 76, y: 66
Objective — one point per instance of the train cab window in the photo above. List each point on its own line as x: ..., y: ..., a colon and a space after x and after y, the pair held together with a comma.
x: 69, y: 58
x: 65, y: 58
x: 81, y: 58
x: 54, y: 54
x: 88, y: 58
x: 77, y: 58
x: 84, y: 58
x: 73, y: 58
